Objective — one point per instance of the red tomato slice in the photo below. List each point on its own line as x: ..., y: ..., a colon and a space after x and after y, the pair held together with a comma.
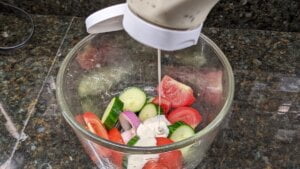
x: 95, y: 126
x: 160, y: 141
x: 172, y: 159
x: 114, y: 135
x: 154, y: 165
x: 177, y: 93
x: 87, y: 146
x: 164, y: 104
x: 188, y: 115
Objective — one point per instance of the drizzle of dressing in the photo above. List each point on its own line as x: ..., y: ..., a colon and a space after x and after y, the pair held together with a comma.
x: 159, y: 76
x: 154, y: 127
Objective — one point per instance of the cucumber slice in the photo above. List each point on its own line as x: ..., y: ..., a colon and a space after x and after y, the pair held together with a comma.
x: 133, y: 98
x: 174, y: 126
x: 133, y: 141
x: 148, y: 111
x: 111, y: 114
x: 180, y: 131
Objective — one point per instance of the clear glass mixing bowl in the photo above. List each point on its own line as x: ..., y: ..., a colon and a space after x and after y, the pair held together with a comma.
x: 101, y: 65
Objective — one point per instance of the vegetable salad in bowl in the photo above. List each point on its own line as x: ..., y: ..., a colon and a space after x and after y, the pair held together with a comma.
x: 126, y: 117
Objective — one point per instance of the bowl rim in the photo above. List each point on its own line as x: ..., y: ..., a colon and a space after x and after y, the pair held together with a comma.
x: 79, y: 129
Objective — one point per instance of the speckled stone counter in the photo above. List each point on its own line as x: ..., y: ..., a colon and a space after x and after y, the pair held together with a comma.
x: 264, y: 131
x: 279, y: 15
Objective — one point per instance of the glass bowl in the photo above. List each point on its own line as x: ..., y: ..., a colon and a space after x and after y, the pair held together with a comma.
x: 100, y: 66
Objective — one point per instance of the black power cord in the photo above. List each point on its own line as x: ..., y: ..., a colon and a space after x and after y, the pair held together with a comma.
x: 22, y: 13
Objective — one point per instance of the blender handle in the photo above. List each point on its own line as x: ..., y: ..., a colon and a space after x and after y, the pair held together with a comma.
x: 106, y: 20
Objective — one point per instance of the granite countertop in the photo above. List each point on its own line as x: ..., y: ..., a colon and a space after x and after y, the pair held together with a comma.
x: 264, y: 131
x: 279, y: 15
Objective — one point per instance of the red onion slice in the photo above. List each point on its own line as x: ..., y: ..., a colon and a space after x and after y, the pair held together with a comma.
x: 129, y: 120
x: 128, y: 134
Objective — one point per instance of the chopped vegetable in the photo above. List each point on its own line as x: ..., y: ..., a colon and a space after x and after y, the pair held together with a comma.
x: 128, y: 134
x: 208, y: 81
x: 133, y: 140
x: 171, y: 159
x: 129, y: 120
x: 111, y: 114
x: 148, y: 111
x: 181, y: 131
x: 154, y: 164
x: 174, y: 126
x: 133, y: 98
x: 149, y: 128
x: 160, y: 141
x: 164, y: 104
x: 95, y: 126
x: 188, y: 115
x: 177, y: 93
x: 115, y: 136
x: 92, y: 149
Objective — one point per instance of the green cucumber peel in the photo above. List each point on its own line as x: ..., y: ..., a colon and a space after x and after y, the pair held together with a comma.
x: 174, y: 126
x: 148, y: 111
x: 112, y: 112
x: 133, y: 141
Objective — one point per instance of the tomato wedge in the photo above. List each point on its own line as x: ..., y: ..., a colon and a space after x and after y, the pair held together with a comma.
x: 154, y: 165
x: 176, y: 92
x: 188, y: 115
x: 95, y: 126
x: 160, y: 141
x: 114, y: 135
x: 164, y: 104
x: 172, y: 159
x: 92, y: 153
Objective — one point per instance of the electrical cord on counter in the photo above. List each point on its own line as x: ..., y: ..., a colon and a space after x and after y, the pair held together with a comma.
x: 21, y: 12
